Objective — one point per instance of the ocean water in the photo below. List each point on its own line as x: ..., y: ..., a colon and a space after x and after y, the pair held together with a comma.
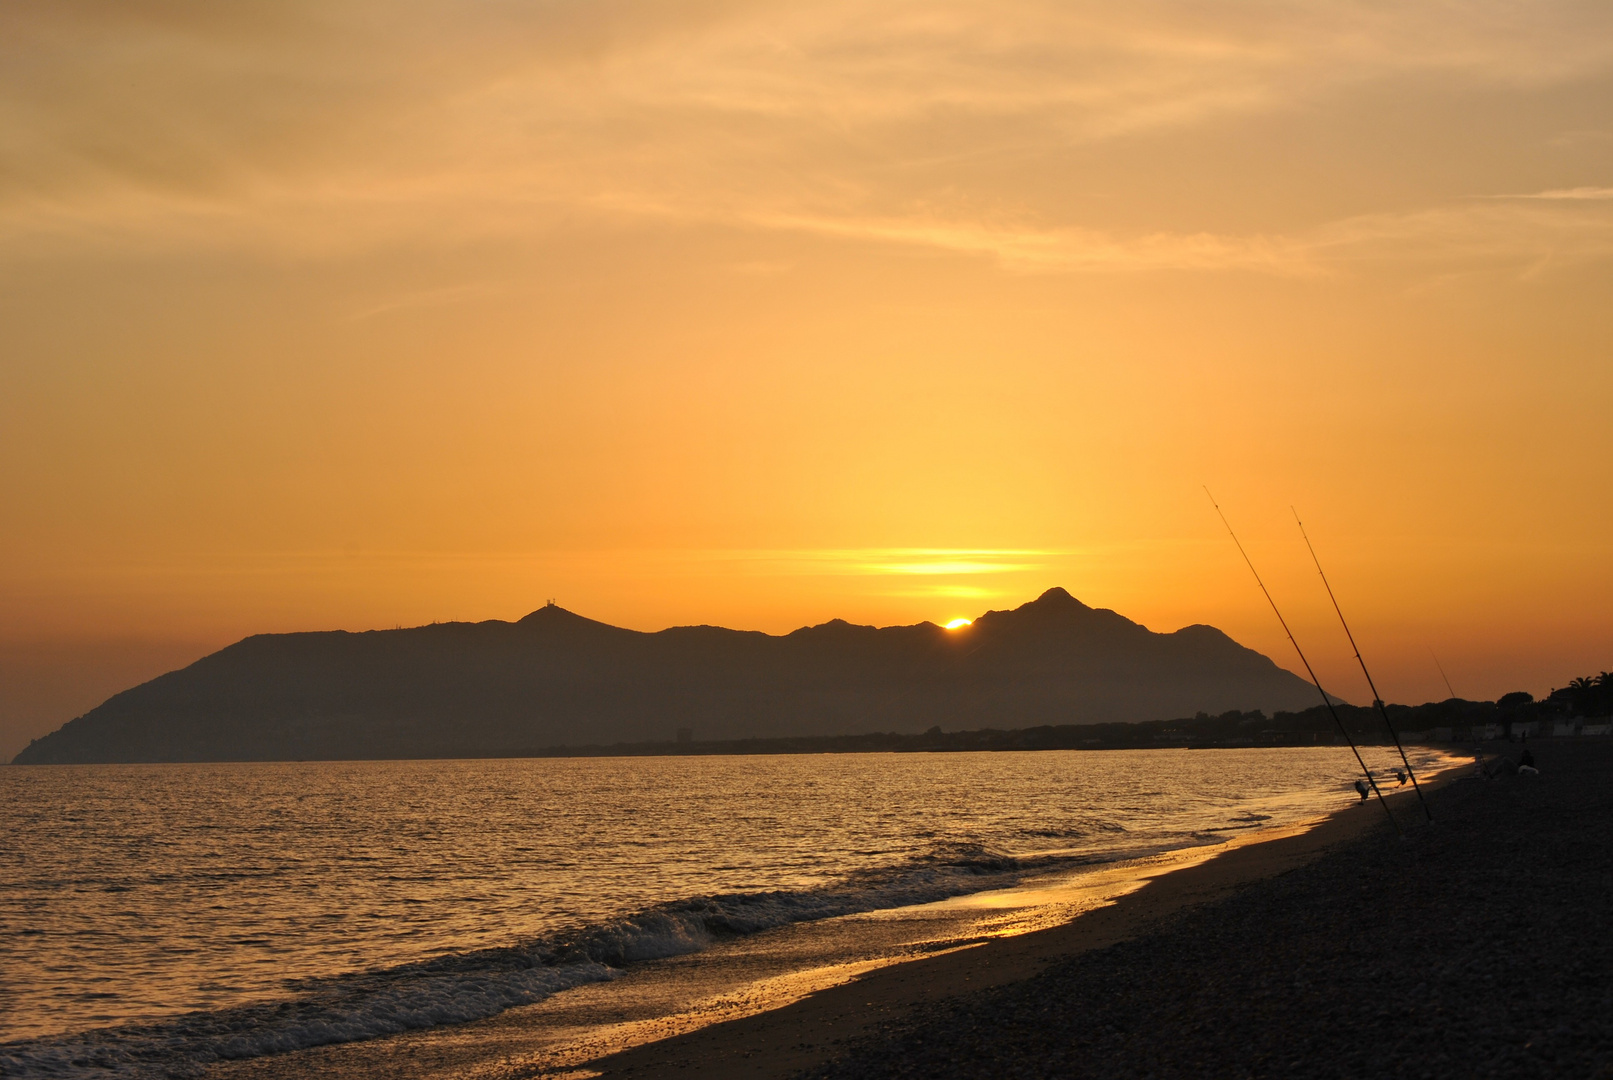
x: 154, y: 917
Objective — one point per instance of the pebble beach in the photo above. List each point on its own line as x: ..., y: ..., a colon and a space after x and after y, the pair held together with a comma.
x: 1475, y: 946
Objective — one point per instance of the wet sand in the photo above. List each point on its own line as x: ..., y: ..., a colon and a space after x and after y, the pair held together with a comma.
x: 817, y: 1029
x: 1475, y: 947
x: 794, y: 1019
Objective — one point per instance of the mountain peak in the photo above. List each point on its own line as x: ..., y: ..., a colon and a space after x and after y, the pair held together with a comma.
x: 557, y: 678
x: 1054, y: 608
x: 1057, y: 596
x: 553, y: 615
x: 548, y: 611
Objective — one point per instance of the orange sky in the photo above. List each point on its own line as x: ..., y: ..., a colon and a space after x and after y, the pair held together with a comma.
x: 353, y: 314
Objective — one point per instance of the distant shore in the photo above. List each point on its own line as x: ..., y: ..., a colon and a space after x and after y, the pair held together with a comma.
x: 1455, y: 723
x: 1232, y: 731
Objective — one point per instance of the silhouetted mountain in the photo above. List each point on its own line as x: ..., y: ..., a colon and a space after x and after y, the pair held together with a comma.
x: 555, y: 679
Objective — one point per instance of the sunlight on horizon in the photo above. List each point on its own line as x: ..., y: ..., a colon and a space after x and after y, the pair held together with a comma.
x: 764, y: 314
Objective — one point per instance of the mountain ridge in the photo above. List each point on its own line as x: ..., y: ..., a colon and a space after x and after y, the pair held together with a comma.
x: 556, y: 678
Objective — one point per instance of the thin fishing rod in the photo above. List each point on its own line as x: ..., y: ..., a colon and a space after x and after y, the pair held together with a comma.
x: 1309, y: 670
x: 1442, y: 674
x: 1377, y: 700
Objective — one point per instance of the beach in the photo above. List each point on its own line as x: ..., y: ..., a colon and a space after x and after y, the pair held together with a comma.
x: 780, y: 1029
x: 566, y: 541
x: 904, y: 1019
x: 441, y: 918
x: 1331, y: 946
x: 1473, y: 947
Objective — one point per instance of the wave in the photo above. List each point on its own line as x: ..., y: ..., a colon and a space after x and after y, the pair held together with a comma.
x: 1079, y: 830
x: 472, y: 985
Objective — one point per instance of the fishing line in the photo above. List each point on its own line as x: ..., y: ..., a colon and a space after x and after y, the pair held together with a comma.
x: 1377, y: 701
x: 1442, y: 674
x: 1309, y: 670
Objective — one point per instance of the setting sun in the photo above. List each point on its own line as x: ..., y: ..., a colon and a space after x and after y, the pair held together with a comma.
x: 525, y: 446
x: 660, y: 309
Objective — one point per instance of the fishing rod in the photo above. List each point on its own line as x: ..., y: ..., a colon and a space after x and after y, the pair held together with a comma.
x: 1442, y: 674
x: 1377, y: 700
x: 1309, y: 670
x: 1478, y: 753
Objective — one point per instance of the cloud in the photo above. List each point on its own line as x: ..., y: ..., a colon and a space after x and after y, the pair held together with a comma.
x: 1031, y: 249
x: 1470, y: 234
x: 311, y: 130
x: 1577, y: 193
x: 1457, y: 232
x: 858, y: 562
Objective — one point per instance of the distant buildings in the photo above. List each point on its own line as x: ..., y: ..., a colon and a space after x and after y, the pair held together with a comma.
x: 1560, y: 728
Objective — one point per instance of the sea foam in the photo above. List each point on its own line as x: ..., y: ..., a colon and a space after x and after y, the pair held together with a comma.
x: 471, y: 985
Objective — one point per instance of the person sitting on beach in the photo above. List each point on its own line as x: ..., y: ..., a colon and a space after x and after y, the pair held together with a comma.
x: 1361, y: 789
x: 1400, y: 778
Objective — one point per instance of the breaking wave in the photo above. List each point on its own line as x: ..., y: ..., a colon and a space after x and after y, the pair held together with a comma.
x: 472, y: 985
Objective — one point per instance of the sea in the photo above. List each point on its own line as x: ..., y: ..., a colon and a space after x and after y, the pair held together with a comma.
x: 155, y: 919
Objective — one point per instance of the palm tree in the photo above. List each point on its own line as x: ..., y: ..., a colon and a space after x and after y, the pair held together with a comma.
x: 1582, y: 696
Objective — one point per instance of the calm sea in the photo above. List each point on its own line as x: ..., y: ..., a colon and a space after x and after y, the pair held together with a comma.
x: 153, y: 914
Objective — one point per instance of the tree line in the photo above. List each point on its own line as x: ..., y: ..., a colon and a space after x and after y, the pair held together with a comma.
x: 1234, y: 728
x: 1588, y: 695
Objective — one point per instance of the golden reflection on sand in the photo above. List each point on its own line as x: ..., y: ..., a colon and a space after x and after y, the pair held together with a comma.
x: 971, y: 920
x: 946, y: 926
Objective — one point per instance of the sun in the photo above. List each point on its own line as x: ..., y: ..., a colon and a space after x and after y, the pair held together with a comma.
x: 958, y: 624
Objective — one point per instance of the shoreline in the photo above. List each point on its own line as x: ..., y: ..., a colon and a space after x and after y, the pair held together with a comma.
x: 786, y: 1026
x: 895, y: 744
x: 786, y: 1041
x: 1472, y: 947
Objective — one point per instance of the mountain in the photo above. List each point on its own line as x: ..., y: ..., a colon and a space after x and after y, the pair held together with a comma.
x: 555, y: 678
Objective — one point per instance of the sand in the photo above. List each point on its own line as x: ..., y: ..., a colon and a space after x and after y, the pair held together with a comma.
x: 809, y: 1033
x: 1475, y: 947
x: 869, y: 1003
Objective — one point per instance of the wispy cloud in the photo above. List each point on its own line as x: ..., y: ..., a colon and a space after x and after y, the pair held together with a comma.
x: 1470, y: 234
x: 1027, y: 248
x: 790, y: 562
x: 950, y: 568
x: 946, y: 125
x: 1576, y: 193
x: 858, y: 562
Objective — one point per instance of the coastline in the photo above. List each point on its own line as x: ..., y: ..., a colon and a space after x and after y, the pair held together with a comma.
x: 1475, y: 947
x: 785, y: 1042
x: 797, y: 1020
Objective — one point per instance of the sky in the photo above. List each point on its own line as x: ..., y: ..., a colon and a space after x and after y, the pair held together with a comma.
x: 351, y: 315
